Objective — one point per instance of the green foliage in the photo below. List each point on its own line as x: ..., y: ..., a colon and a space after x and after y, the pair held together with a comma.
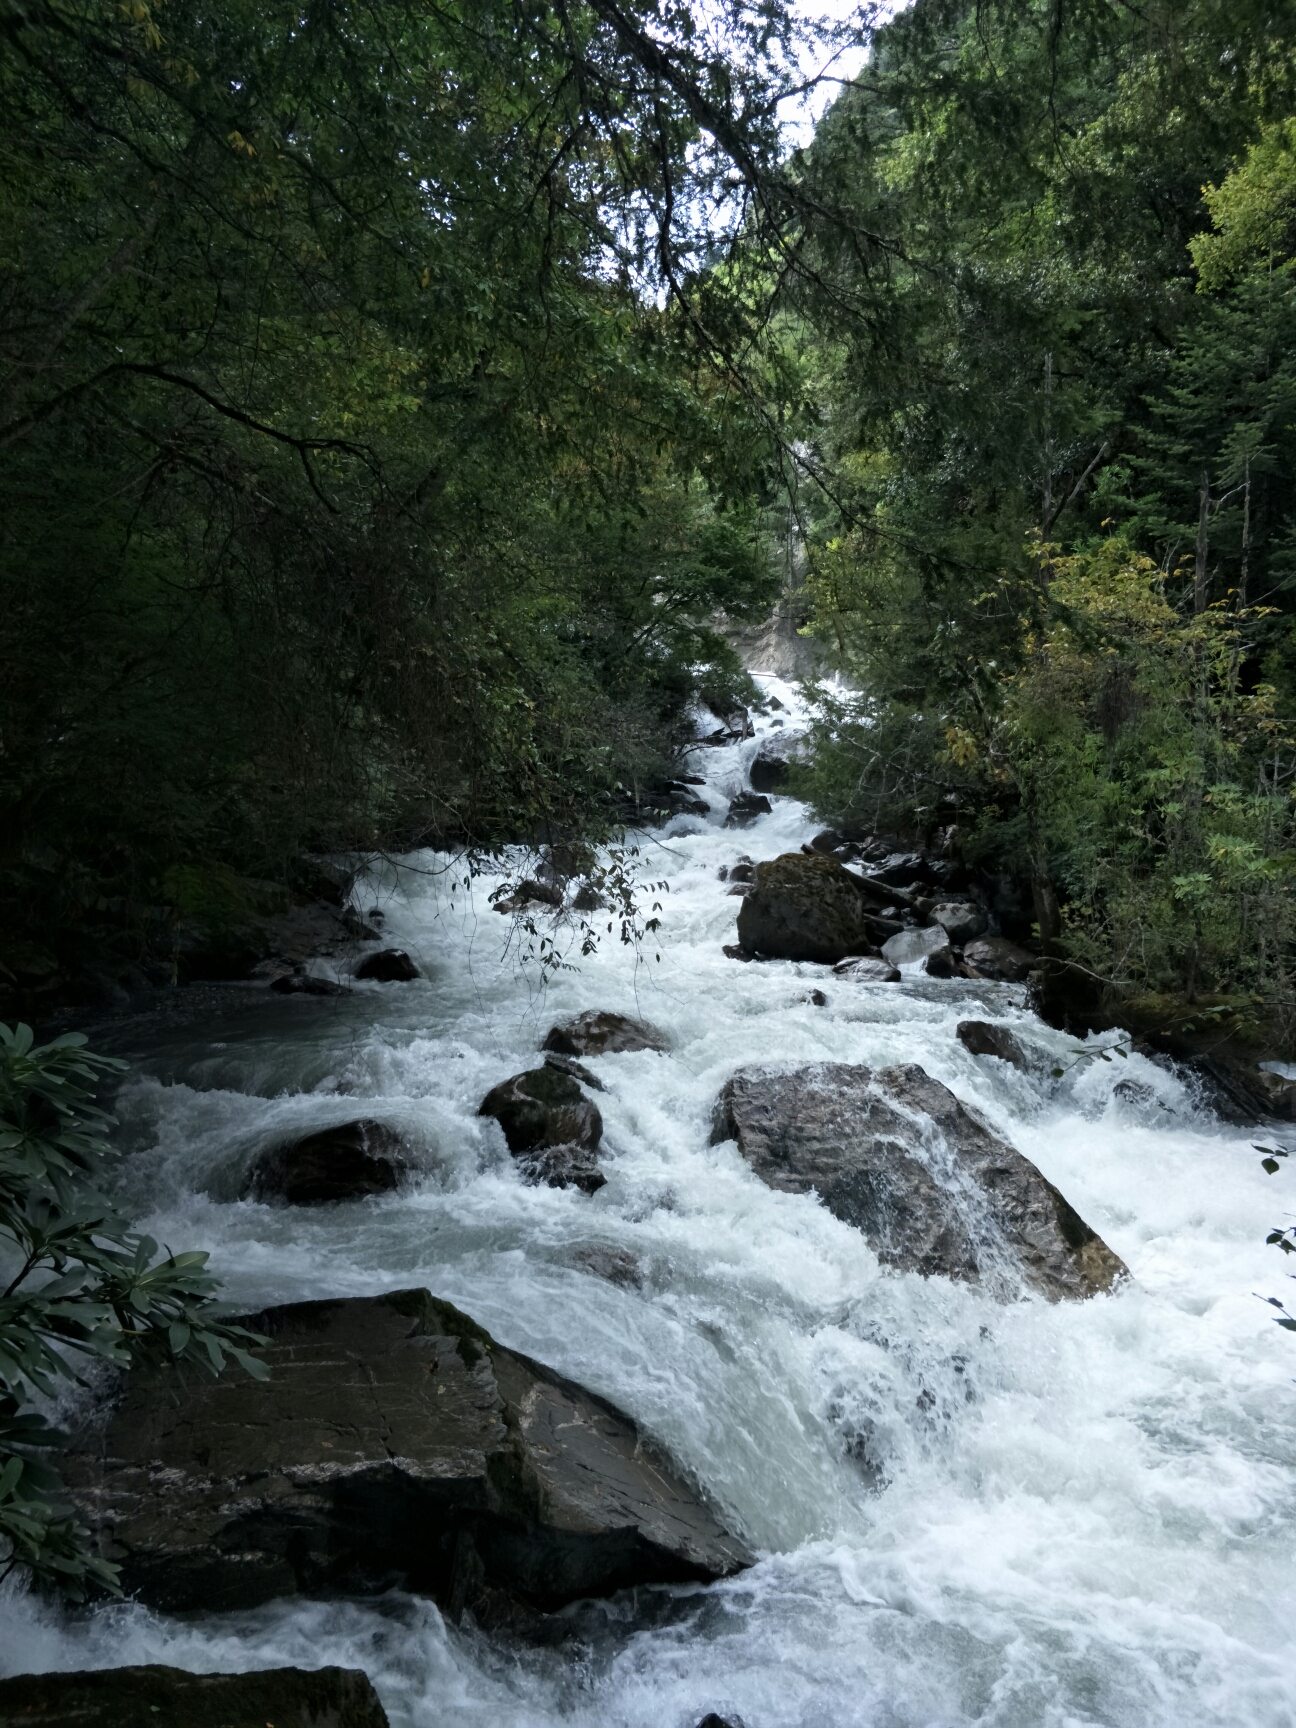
x: 1054, y: 539
x: 357, y: 489
x: 80, y: 1286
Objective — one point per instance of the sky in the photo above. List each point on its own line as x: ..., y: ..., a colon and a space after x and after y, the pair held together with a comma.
x: 845, y: 65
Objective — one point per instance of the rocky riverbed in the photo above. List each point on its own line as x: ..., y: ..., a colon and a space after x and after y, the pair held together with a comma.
x: 931, y: 1379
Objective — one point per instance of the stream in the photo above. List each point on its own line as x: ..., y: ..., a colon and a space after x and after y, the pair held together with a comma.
x: 1013, y: 1516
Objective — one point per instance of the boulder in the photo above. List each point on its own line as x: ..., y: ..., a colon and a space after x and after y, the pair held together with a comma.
x: 348, y: 1162
x: 158, y: 1697
x: 736, y: 951
x: 997, y: 957
x: 984, y: 1038
x: 566, y: 1166
x: 543, y: 1109
x: 395, y: 1445
x: 597, y: 1032
x: 806, y: 908
x: 771, y: 766
x: 743, y: 871
x: 914, y: 944
x: 946, y: 963
x: 569, y: 1065
x: 961, y: 920
x: 388, y: 966
x: 686, y: 804
x: 827, y: 841
x: 817, y: 999
x: 894, y: 1153
x: 588, y: 899
x: 745, y: 808
x: 867, y: 969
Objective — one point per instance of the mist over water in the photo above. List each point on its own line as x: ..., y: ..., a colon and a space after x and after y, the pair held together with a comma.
x: 967, y: 1512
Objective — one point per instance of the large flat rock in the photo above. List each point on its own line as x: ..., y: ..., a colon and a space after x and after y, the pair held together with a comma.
x: 894, y: 1153
x: 395, y: 1444
x: 158, y: 1697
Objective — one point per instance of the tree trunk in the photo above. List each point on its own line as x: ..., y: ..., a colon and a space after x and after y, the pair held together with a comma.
x: 1200, y: 589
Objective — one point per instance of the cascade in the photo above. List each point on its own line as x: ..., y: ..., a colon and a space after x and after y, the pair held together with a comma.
x: 965, y: 1510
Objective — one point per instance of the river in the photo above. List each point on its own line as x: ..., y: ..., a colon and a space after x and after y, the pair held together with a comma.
x: 1014, y: 1516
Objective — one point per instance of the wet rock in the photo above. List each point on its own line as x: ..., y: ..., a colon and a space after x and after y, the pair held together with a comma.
x: 328, y: 879
x: 740, y: 890
x: 713, y: 1721
x: 866, y: 969
x: 817, y: 999
x: 597, y: 1032
x: 530, y: 893
x: 997, y: 957
x: 395, y: 1445
x: 388, y: 966
x: 614, y: 1265
x: 543, y: 1108
x: 304, y: 984
x: 736, y: 951
x: 984, y: 1038
x: 563, y: 1167
x: 745, y: 808
x: 828, y: 841
x: 158, y: 1697
x: 1242, y: 1093
x: 348, y: 1162
x: 977, y: 1211
x: 959, y: 919
x: 685, y: 804
x: 770, y: 767
x: 733, y: 716
x: 915, y: 944
x: 805, y: 908
x: 588, y: 899
x: 743, y: 871
x: 946, y: 963
x: 569, y: 1065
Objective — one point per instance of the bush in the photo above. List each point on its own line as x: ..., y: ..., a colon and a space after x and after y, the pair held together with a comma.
x: 80, y: 1287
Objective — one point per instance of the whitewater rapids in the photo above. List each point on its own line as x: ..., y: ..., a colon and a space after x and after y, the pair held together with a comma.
x: 1024, y: 1516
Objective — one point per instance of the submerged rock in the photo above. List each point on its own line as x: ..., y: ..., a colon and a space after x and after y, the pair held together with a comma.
x: 158, y: 1697
x: 305, y: 984
x: 852, y: 1135
x: 984, y: 1038
x: 388, y: 966
x: 348, y: 1162
x: 395, y: 1445
x: 867, y: 969
x: 806, y: 907
x: 599, y: 1033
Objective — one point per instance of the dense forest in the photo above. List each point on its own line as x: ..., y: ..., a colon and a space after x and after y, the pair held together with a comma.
x: 400, y: 402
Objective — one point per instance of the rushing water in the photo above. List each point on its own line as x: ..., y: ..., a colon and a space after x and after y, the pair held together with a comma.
x: 1025, y: 1516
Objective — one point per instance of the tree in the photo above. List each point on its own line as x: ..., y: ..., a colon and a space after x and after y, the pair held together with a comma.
x: 81, y: 1287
